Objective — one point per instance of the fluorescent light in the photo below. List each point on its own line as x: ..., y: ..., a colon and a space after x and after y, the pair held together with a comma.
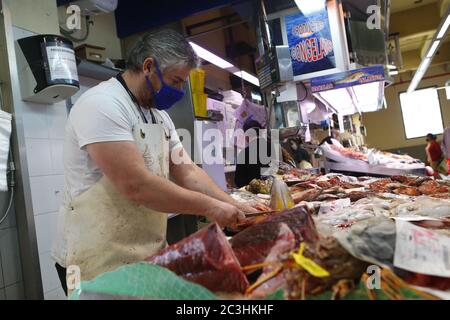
x: 393, y: 73
x: 391, y: 67
x: 310, y: 6
x: 211, y: 57
x: 433, y: 49
x: 368, y: 96
x: 340, y: 100
x: 424, y: 65
x: 256, y: 96
x: 247, y: 77
x: 415, y: 82
x: 426, y: 62
x: 444, y: 28
x: 223, y: 64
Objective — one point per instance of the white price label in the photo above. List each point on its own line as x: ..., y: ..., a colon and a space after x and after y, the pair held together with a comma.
x: 62, y: 63
x: 421, y: 250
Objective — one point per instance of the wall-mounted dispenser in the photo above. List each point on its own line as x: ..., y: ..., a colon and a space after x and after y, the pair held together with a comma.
x: 47, y: 68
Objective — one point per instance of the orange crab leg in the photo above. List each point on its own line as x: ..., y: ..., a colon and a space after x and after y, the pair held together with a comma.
x: 269, y: 276
x: 258, y: 266
x: 395, y: 281
x: 370, y: 293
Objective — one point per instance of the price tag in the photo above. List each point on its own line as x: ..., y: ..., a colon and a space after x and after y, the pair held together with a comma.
x: 421, y: 250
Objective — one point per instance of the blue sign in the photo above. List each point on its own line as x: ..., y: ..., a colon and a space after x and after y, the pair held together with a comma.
x: 348, y: 78
x: 310, y: 42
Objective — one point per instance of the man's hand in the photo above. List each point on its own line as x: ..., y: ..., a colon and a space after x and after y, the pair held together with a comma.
x: 226, y: 215
x: 245, y: 207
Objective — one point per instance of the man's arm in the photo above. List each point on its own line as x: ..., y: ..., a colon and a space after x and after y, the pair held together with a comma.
x: 124, y: 165
x: 188, y: 175
x: 427, y: 151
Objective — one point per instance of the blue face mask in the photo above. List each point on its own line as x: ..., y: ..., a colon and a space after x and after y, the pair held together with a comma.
x: 167, y: 96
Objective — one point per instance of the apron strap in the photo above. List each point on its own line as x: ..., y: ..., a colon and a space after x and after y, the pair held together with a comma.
x: 119, y: 78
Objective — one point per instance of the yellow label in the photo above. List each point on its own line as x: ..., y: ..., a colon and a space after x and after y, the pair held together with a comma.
x: 309, y: 265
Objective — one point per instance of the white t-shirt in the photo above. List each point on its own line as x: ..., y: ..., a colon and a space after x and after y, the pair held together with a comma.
x: 104, y: 113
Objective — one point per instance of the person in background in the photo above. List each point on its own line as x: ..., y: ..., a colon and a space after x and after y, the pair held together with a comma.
x: 301, y: 156
x: 249, y: 165
x: 434, y: 152
x: 446, y: 146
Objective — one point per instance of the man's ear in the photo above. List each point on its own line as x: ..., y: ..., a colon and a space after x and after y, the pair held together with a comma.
x: 147, y: 66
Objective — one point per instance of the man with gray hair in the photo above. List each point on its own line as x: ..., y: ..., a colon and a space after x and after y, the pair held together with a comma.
x: 117, y: 165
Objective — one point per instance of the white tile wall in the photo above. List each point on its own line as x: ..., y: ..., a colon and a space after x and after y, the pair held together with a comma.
x: 2, y: 294
x: 39, y: 157
x: 15, y: 292
x: 9, y: 252
x: 58, y: 187
x: 56, y: 148
x: 57, y: 294
x: 44, y: 127
x: 43, y: 194
x: 45, y: 230
x: 56, y: 119
x: 50, y: 280
x: 35, y: 121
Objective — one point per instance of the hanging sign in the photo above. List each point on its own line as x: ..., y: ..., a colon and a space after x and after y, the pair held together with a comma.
x: 348, y: 79
x: 310, y: 42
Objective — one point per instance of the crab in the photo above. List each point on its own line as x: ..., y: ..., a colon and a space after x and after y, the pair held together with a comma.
x: 326, y: 265
x: 392, y: 286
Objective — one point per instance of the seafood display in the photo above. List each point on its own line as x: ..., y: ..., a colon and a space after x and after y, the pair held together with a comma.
x: 362, y: 159
x: 205, y: 258
x: 253, y: 245
x: 258, y: 186
x: 339, y: 226
x: 349, y: 153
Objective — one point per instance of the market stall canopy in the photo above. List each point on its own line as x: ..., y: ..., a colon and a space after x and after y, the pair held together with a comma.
x: 350, y: 92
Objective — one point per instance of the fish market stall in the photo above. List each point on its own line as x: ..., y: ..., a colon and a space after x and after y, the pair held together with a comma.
x: 336, y: 234
x: 369, y: 161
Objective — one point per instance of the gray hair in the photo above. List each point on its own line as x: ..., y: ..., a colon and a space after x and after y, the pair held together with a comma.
x: 167, y: 46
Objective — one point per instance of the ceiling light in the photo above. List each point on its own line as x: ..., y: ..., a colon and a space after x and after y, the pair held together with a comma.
x: 256, y: 96
x: 210, y: 57
x: 393, y: 73
x: 247, y: 77
x: 223, y: 64
x: 444, y: 28
x: 391, y: 67
x: 310, y: 6
x: 424, y: 65
x: 426, y: 62
x: 433, y: 49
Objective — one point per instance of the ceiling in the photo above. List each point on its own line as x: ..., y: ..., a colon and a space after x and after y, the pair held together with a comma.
x: 416, y: 41
x: 415, y: 22
x: 403, y: 5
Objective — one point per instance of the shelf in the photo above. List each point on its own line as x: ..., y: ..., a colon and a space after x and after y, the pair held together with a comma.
x: 96, y: 71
